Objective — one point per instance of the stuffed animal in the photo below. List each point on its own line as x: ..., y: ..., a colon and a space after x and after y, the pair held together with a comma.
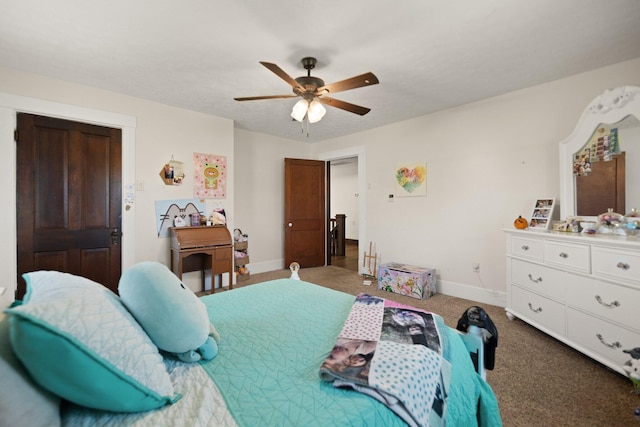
x: 207, y: 351
x: 171, y: 314
x: 632, y: 368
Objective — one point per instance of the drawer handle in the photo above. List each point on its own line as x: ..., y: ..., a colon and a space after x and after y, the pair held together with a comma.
x: 538, y: 280
x: 525, y: 247
x: 613, y: 304
x: 535, y: 310
x: 623, y: 266
x: 563, y: 255
x: 614, y: 345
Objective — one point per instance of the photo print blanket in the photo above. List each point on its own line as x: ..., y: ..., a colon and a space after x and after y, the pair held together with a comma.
x: 393, y: 353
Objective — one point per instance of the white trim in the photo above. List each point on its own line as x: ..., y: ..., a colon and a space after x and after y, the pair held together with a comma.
x: 10, y: 105
x: 473, y: 293
x: 266, y: 266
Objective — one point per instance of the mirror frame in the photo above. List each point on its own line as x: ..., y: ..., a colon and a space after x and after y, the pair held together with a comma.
x: 610, y: 107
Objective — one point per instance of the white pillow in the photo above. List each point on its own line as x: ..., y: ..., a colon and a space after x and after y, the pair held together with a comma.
x: 77, y: 340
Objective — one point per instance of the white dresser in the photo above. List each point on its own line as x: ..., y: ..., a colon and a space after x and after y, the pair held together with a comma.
x: 583, y: 290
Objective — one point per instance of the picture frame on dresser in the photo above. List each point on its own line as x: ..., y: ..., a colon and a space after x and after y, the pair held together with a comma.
x: 542, y: 213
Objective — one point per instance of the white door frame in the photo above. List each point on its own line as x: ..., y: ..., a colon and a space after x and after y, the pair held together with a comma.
x: 10, y: 105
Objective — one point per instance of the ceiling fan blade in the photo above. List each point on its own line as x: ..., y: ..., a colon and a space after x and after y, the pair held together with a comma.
x: 366, y: 79
x: 254, y: 98
x: 352, y: 108
x: 283, y: 75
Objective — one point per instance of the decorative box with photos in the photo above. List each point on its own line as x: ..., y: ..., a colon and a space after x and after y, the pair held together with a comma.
x: 542, y: 214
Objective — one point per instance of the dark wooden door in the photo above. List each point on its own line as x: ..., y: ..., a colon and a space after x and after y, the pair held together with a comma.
x: 68, y: 199
x: 304, y: 213
x: 603, y: 188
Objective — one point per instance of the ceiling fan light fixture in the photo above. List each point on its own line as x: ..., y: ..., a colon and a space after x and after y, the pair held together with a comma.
x: 300, y: 110
x: 316, y: 111
x: 312, y: 89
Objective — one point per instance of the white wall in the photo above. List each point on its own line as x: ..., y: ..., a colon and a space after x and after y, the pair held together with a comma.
x: 630, y: 144
x: 160, y: 132
x: 486, y: 164
x: 259, y: 201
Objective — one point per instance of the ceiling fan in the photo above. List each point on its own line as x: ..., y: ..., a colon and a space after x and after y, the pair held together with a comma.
x: 313, y: 92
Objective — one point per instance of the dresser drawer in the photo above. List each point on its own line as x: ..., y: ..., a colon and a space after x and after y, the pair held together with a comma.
x: 542, y: 310
x: 616, y: 264
x: 538, y: 278
x: 603, y: 338
x: 616, y: 303
x: 527, y: 248
x: 567, y: 256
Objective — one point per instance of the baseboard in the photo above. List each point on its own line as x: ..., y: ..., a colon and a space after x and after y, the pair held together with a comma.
x: 473, y: 293
x: 353, y: 242
x: 458, y: 290
x: 266, y: 266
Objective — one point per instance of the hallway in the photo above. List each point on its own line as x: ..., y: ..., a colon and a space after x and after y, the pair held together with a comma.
x: 350, y: 260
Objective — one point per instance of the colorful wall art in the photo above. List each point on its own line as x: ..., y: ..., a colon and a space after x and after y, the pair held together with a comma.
x: 210, y: 176
x: 411, y: 180
x: 168, y: 210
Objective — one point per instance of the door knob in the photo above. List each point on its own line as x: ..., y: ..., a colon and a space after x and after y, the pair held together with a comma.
x: 290, y: 224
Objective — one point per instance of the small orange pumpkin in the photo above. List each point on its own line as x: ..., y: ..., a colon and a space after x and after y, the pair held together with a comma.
x: 520, y: 223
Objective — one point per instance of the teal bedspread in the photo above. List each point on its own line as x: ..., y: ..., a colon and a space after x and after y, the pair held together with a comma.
x: 274, y: 337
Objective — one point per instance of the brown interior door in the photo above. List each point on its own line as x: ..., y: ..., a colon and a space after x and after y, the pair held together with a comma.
x: 602, y: 188
x: 68, y: 199
x: 304, y: 213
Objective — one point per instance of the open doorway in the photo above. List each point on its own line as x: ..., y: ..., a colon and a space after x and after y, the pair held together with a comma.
x: 344, y: 213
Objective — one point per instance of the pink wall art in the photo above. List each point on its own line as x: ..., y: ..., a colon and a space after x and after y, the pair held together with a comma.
x: 210, y: 176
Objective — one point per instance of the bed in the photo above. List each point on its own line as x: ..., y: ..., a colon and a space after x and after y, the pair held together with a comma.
x: 274, y: 337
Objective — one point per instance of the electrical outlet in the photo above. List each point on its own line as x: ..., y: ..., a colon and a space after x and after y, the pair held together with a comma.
x: 476, y: 267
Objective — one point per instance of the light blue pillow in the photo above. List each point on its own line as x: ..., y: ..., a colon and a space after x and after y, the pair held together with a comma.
x: 78, y: 341
x: 172, y: 315
x: 21, y: 398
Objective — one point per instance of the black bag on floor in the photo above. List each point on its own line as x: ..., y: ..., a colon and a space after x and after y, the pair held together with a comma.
x: 476, y: 316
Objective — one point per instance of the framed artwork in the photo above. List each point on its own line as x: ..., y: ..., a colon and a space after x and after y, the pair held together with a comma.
x: 210, y: 176
x: 411, y: 180
x: 172, y: 173
x: 542, y: 214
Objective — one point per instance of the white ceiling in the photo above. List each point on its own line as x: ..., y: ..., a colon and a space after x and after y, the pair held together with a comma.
x: 429, y: 55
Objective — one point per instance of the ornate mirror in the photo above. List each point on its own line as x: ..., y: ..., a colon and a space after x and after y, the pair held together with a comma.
x: 600, y: 160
